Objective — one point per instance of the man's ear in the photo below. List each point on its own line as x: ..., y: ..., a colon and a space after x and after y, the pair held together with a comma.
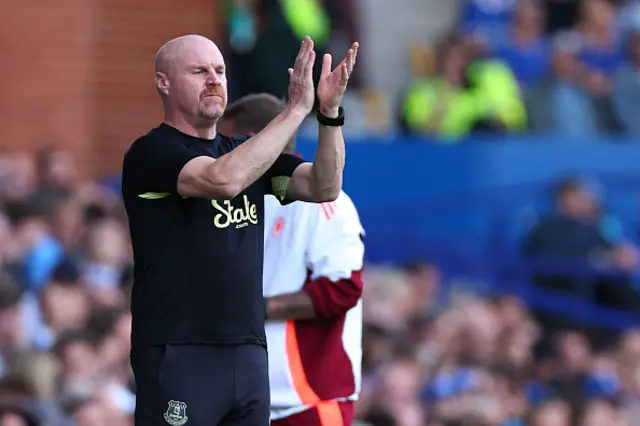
x: 162, y: 83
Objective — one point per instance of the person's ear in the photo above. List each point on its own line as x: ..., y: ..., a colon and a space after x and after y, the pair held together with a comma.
x: 162, y: 83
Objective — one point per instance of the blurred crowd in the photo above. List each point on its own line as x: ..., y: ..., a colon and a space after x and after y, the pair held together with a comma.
x: 472, y: 361
x: 440, y: 350
x: 64, y: 287
x: 564, y: 67
x: 435, y: 352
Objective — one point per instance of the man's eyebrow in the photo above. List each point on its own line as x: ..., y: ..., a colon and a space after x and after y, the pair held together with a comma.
x: 207, y: 66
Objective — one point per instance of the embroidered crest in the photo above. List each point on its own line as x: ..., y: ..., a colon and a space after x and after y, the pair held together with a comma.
x: 176, y: 414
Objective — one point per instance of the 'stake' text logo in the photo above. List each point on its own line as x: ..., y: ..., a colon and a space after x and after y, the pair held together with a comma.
x: 230, y: 215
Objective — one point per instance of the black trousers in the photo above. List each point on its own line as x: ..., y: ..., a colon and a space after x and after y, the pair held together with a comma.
x: 198, y: 385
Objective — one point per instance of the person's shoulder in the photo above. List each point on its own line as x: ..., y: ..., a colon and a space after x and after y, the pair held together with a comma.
x: 146, y: 141
x: 341, y: 212
x: 347, y: 207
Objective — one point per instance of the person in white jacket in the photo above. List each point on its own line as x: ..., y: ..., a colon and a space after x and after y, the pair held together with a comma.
x: 314, y: 256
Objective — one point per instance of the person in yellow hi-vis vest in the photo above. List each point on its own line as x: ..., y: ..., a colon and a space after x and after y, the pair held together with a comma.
x: 434, y: 106
x: 464, y: 98
x: 497, y: 95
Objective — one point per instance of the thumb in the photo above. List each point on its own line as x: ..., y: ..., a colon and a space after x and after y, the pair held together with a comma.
x: 326, y: 66
x: 290, y: 70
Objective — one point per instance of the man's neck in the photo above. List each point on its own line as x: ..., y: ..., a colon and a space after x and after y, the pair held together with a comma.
x: 204, y: 131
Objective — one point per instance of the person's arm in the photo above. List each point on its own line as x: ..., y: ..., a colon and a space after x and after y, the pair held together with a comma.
x: 321, y: 180
x: 229, y: 175
x: 288, y: 306
x: 335, y: 258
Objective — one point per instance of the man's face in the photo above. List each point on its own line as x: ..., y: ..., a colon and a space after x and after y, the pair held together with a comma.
x: 598, y: 13
x: 579, y: 203
x: 197, y: 81
x: 60, y: 169
x: 529, y: 16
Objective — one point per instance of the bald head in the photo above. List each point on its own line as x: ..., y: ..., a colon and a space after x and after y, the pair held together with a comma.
x: 169, y: 53
x: 191, y: 79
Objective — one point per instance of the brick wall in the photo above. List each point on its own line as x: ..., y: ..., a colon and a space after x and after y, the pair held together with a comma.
x: 79, y: 74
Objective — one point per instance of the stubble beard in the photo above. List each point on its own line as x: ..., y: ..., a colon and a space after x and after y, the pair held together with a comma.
x: 211, y: 111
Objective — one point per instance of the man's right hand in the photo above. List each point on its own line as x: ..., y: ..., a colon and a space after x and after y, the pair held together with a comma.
x: 301, y: 90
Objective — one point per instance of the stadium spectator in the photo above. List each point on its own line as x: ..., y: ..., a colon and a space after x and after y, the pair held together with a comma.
x: 626, y: 87
x: 585, y: 59
x: 574, y: 234
x: 487, y: 21
x: 469, y: 94
x: 527, y: 50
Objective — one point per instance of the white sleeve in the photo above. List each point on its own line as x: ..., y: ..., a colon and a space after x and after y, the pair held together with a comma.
x: 336, y: 249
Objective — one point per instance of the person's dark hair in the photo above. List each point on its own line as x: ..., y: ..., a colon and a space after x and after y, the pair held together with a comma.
x: 10, y: 293
x: 566, y: 185
x: 21, y: 210
x: 70, y: 337
x: 44, y: 204
x: 252, y: 113
x: 94, y: 213
x: 66, y: 271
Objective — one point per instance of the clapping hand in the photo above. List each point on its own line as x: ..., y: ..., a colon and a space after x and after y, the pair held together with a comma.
x: 332, y: 84
x: 301, y: 90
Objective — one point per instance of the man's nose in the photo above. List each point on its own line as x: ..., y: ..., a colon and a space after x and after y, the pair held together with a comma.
x: 213, y: 79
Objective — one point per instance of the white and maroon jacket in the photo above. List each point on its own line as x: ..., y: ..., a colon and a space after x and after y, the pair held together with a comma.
x: 317, y: 248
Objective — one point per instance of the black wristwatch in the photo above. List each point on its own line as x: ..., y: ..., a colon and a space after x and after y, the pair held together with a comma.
x: 328, y: 121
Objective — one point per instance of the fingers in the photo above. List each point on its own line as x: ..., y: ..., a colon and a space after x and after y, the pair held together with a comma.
x: 344, y: 74
x: 302, y: 46
x: 326, y: 66
x: 350, y: 58
x: 305, y: 58
x: 349, y: 61
x: 301, y: 55
x: 308, y: 72
x: 354, y: 48
x: 310, y: 56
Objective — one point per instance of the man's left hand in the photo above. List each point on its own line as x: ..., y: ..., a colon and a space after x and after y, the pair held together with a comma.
x: 332, y: 84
